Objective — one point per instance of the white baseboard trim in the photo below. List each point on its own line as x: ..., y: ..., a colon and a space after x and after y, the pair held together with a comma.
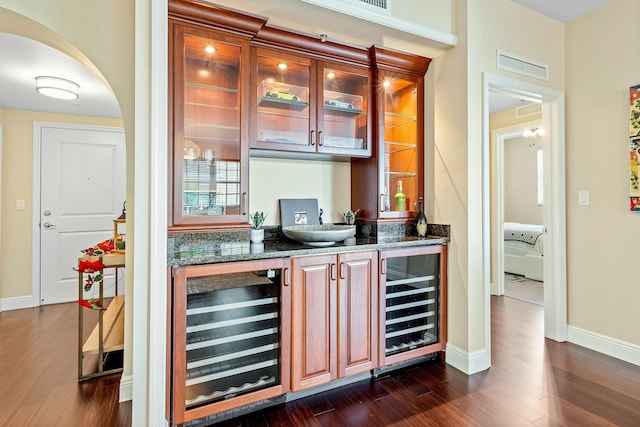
x: 469, y: 363
x: 126, y: 388
x: 603, y: 344
x: 16, y: 303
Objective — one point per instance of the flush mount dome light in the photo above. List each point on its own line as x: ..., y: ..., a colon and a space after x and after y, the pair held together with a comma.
x: 56, y: 87
x: 533, y: 132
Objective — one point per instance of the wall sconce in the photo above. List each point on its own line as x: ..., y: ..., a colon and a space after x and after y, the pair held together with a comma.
x: 533, y: 132
x: 56, y: 87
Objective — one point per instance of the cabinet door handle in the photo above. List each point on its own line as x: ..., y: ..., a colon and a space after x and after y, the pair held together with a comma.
x: 342, y: 274
x: 244, y: 203
x: 382, y: 203
x: 320, y: 139
x: 383, y: 266
x: 287, y: 277
x: 313, y: 137
x: 333, y: 271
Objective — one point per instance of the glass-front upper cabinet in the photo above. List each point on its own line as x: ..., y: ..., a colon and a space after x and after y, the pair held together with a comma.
x: 209, y: 149
x: 309, y: 106
x: 387, y: 186
x: 285, y: 109
x: 343, y: 125
x: 401, y: 143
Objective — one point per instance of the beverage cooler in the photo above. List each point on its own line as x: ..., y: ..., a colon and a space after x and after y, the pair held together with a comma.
x: 413, y: 314
x: 230, y: 338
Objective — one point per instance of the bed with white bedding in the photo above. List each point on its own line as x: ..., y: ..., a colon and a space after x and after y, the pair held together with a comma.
x: 524, y: 250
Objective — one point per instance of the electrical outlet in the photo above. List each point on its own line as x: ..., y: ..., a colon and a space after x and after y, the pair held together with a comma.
x: 19, y: 205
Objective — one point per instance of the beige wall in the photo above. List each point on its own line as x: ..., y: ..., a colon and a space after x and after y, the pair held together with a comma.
x: 311, y: 19
x: 273, y: 179
x: 602, y: 238
x: 483, y: 27
x: 521, y: 181
x: 17, y: 170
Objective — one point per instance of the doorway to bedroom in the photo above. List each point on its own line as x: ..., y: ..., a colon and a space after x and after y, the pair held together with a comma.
x: 521, y: 181
x: 554, y: 207
x: 523, y: 216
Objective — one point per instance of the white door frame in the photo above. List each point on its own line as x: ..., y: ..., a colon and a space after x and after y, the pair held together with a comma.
x: 498, y: 139
x: 555, y: 259
x: 35, y: 222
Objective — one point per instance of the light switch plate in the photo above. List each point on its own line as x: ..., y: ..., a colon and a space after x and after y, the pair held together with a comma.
x: 583, y: 197
x: 19, y: 205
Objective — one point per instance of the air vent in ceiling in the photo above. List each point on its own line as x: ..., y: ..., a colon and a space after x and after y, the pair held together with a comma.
x: 382, y: 4
x: 528, y: 110
x: 517, y: 64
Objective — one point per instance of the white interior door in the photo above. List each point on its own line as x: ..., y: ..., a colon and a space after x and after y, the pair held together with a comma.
x: 82, y: 190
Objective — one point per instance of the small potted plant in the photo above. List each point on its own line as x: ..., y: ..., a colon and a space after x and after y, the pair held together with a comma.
x: 256, y: 234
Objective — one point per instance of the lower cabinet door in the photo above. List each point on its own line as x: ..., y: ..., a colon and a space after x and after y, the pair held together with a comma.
x: 334, y: 317
x: 313, y: 321
x: 357, y: 320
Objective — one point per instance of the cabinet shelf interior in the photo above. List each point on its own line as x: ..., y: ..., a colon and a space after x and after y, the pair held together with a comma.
x: 203, y: 86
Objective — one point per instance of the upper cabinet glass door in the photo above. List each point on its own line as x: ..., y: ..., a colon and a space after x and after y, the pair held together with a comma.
x: 209, y: 179
x: 343, y: 124
x: 401, y: 146
x: 284, y: 108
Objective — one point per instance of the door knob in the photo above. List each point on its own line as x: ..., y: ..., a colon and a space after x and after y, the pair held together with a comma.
x: 49, y: 225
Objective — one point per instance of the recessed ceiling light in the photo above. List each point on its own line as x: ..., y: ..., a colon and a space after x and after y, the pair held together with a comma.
x: 56, y: 87
x: 283, y: 66
x: 209, y: 49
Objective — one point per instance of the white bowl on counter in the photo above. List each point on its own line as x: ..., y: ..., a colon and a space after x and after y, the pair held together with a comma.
x: 319, y: 235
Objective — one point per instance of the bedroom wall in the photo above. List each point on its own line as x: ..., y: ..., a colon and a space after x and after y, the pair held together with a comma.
x: 603, y: 237
x: 521, y: 181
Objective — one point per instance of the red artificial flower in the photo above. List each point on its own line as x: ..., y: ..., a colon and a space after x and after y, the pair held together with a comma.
x: 91, y: 303
x: 87, y: 266
x: 106, y: 246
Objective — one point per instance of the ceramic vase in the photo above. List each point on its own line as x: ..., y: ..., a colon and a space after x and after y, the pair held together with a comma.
x: 256, y: 235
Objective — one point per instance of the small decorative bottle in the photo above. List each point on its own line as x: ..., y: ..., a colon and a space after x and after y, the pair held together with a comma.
x: 400, y: 198
x: 421, y: 220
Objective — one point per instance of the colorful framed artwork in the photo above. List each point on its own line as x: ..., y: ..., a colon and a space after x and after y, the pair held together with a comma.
x: 634, y: 110
x: 634, y: 148
x: 634, y: 180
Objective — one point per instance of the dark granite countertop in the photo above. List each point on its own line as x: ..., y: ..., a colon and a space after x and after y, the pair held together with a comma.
x: 218, y: 247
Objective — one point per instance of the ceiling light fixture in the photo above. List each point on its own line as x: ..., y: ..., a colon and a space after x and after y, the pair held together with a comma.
x: 56, y: 87
x: 533, y: 132
x: 283, y: 65
x: 209, y: 49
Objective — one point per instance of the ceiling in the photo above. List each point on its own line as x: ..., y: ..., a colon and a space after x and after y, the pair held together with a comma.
x: 23, y: 59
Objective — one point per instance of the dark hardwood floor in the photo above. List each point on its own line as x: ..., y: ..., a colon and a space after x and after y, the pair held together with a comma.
x: 532, y: 381
x: 39, y: 373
